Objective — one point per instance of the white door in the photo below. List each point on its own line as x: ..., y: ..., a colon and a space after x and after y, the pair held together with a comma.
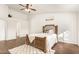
x: 11, y: 30
x: 22, y: 28
x: 2, y: 30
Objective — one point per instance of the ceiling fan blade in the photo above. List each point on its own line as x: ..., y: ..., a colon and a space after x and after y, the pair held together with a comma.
x: 33, y: 9
x: 21, y: 5
x: 22, y: 9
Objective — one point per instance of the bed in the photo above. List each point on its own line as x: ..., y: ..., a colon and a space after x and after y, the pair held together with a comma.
x: 46, y: 40
x: 40, y: 43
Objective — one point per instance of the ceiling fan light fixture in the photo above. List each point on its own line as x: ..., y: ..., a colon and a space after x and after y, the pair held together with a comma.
x: 27, y: 10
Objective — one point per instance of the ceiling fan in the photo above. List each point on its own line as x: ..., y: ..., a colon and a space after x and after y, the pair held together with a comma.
x: 27, y: 7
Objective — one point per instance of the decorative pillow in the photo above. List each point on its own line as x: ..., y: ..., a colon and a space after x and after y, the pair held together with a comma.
x: 51, y: 31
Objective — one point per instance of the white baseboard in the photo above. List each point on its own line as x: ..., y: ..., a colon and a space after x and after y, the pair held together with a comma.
x: 69, y: 42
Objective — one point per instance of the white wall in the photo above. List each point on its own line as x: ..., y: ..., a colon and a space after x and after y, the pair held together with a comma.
x: 17, y: 25
x: 9, y: 26
x: 22, y: 28
x: 65, y: 21
x: 78, y: 27
x: 3, y: 17
x: 11, y: 29
x: 3, y: 11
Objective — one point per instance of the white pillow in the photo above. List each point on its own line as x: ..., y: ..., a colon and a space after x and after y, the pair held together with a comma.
x: 51, y: 32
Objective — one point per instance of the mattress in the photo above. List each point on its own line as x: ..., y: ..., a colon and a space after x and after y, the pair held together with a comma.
x: 27, y: 49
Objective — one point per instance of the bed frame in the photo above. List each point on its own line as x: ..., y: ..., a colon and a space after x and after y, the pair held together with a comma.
x: 39, y: 42
x: 46, y: 28
x: 53, y: 27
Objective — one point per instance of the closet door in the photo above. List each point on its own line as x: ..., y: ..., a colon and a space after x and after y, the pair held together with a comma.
x: 2, y: 30
x: 22, y: 28
x: 11, y: 30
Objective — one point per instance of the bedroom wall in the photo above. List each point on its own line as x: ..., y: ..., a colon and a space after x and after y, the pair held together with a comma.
x: 64, y: 20
x: 17, y: 25
x: 3, y: 17
x: 3, y: 11
x: 9, y: 27
x: 78, y: 27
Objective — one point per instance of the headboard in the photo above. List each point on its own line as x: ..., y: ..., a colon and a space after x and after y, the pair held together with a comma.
x: 46, y: 28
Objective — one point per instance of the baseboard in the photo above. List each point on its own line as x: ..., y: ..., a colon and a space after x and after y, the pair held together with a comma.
x: 70, y: 42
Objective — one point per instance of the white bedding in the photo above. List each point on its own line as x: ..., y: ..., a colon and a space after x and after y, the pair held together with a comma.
x: 51, y: 39
x: 27, y: 49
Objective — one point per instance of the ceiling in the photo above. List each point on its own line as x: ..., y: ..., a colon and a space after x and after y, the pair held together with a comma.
x: 47, y: 8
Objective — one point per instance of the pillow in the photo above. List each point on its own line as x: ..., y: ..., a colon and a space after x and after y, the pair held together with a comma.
x: 51, y: 31
x: 40, y: 43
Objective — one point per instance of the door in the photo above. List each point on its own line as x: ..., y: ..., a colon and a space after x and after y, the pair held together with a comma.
x: 2, y: 30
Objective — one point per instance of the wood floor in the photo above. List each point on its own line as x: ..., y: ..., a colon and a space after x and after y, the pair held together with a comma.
x: 60, y: 48
x: 66, y: 48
